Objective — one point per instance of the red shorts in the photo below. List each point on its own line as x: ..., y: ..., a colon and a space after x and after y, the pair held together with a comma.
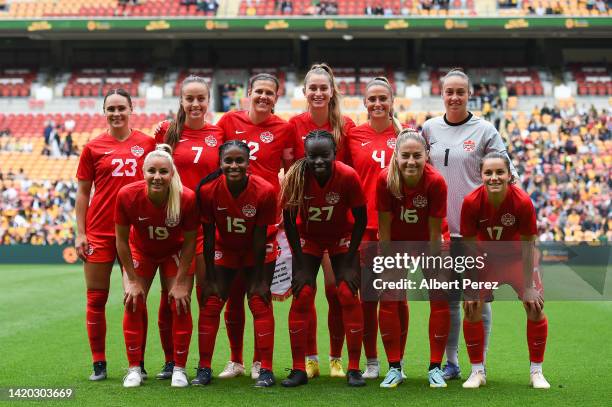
x: 238, y: 259
x: 510, y: 273
x: 101, y: 249
x: 145, y: 266
x: 318, y: 247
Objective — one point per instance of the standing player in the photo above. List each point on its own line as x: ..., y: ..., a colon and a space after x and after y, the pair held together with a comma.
x: 236, y: 210
x: 458, y: 140
x: 195, y: 145
x: 269, y: 139
x: 155, y: 223
x: 411, y: 203
x: 319, y: 195
x: 508, y: 215
x: 323, y: 98
x: 107, y: 163
x: 370, y: 147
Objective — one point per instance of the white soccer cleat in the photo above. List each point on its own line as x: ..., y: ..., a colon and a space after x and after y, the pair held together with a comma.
x: 179, y: 377
x: 255, y: 370
x: 232, y: 369
x: 133, y: 377
x: 476, y: 379
x: 372, y: 370
x: 538, y: 381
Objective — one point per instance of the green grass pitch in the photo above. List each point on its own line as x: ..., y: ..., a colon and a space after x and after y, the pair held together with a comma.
x: 44, y: 344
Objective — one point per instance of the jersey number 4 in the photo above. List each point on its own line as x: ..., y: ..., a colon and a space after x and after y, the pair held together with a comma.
x: 379, y: 157
x: 125, y: 168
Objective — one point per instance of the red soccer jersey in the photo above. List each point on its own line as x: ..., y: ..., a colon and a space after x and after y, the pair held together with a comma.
x: 267, y: 141
x: 111, y: 164
x: 302, y: 124
x: 152, y: 233
x: 197, y: 152
x: 514, y: 217
x: 236, y: 218
x: 369, y: 153
x: 410, y: 215
x: 325, y: 213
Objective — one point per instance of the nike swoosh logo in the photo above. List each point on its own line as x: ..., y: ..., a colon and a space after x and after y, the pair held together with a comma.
x: 471, y: 345
x: 383, y: 335
x: 308, y: 197
x: 109, y: 152
x: 354, y: 331
x: 538, y: 343
x: 365, y: 144
x: 141, y: 219
x: 295, y: 332
x: 439, y: 336
x: 180, y: 352
x: 133, y: 349
x: 266, y: 334
x: 182, y: 140
x: 483, y: 220
x: 91, y: 323
x: 221, y: 209
x: 240, y: 131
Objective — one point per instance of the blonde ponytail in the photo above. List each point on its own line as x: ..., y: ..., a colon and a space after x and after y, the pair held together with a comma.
x: 175, y: 189
x: 395, y: 181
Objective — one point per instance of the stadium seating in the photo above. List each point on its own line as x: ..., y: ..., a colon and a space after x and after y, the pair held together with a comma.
x: 16, y: 82
x: 592, y: 80
x: 580, y: 8
x: 96, y: 82
x: 97, y: 8
x: 525, y: 81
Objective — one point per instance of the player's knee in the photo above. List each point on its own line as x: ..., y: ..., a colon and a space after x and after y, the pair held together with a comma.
x: 97, y: 298
x: 259, y: 307
x: 303, y: 302
x: 346, y: 297
x: 212, y: 306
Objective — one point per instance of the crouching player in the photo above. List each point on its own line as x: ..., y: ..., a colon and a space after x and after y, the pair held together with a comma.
x: 163, y: 219
x: 236, y: 211
x: 500, y: 211
x: 411, y: 203
x: 319, y: 195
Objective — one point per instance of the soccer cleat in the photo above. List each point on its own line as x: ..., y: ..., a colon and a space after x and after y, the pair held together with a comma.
x: 133, y: 378
x: 166, y: 372
x: 255, y: 370
x: 296, y: 378
x: 265, y: 379
x: 538, y: 381
x: 354, y: 378
x: 312, y: 368
x: 99, y: 372
x: 203, y: 376
x: 232, y: 369
x: 476, y: 379
x: 436, y: 378
x: 393, y: 378
x: 451, y: 371
x: 143, y: 372
x: 335, y: 368
x: 179, y: 377
x: 372, y: 370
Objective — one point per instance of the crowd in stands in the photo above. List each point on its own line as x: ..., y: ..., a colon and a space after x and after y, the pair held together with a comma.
x: 37, y: 213
x: 562, y: 153
x: 209, y: 7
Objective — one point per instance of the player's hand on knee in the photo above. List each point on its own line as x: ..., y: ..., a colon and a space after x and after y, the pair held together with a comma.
x: 181, y: 295
x: 298, y: 281
x: 133, y: 291
x: 533, y: 300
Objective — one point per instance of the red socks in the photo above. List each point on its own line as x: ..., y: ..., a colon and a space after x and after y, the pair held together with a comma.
x: 208, y: 325
x: 263, y: 319
x: 390, y: 329
x: 334, y: 322
x: 134, y: 332
x: 370, y: 328
x: 404, y: 317
x: 96, y: 323
x: 311, y: 340
x: 182, y: 326
x: 234, y: 319
x: 299, y: 315
x: 439, y: 326
x: 537, y: 332
x: 473, y: 332
x: 164, y: 322
x: 352, y: 316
